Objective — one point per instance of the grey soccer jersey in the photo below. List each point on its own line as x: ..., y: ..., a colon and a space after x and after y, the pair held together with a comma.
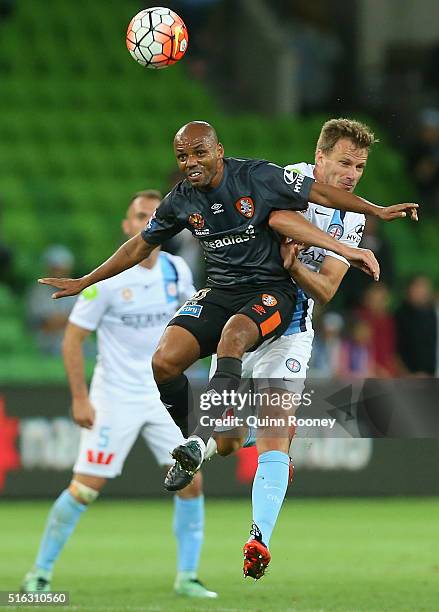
x: 231, y: 220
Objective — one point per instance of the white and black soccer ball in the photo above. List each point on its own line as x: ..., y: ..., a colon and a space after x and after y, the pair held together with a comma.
x: 157, y: 37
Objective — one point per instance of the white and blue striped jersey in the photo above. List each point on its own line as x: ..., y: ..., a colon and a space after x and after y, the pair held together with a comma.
x: 344, y: 226
x: 130, y: 312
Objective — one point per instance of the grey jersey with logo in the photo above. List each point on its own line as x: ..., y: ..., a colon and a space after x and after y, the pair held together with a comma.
x: 231, y: 220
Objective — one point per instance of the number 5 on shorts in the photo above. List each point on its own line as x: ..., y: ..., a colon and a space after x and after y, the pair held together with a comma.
x: 104, y: 437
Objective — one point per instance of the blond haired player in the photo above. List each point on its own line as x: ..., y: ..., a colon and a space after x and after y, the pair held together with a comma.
x: 341, y: 155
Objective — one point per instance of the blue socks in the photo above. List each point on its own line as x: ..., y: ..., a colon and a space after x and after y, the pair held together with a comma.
x: 66, y: 512
x: 189, y: 531
x: 62, y: 520
x: 251, y: 438
x: 269, y: 488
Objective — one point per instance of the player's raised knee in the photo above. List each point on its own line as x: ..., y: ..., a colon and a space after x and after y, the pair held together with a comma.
x: 227, y: 446
x: 163, y: 367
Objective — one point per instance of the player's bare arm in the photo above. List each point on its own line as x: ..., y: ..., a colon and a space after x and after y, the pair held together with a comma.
x: 326, y: 195
x: 322, y: 285
x: 132, y: 252
x: 294, y: 225
x: 82, y: 409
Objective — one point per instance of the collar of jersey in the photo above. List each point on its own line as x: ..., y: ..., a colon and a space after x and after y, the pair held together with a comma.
x: 225, y: 173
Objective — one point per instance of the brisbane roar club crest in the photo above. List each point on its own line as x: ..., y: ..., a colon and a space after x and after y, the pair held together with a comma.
x: 268, y: 300
x: 196, y: 220
x: 245, y: 207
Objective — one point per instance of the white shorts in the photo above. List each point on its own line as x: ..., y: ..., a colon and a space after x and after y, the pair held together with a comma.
x: 119, y: 420
x: 286, y: 358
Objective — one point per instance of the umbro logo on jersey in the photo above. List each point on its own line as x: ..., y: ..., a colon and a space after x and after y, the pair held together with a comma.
x: 217, y: 208
x: 320, y: 212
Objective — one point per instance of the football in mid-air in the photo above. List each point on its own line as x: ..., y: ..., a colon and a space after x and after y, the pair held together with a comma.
x: 157, y: 37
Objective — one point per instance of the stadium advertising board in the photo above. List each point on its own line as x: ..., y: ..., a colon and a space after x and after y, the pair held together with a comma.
x: 39, y: 441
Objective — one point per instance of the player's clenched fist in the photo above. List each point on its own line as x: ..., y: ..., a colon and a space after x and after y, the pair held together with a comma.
x: 365, y: 260
x: 289, y: 251
x: 83, y: 412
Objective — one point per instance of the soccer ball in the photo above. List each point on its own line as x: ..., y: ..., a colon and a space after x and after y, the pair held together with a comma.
x: 157, y: 37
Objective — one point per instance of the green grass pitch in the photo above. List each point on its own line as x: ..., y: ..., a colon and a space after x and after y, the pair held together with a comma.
x: 327, y: 556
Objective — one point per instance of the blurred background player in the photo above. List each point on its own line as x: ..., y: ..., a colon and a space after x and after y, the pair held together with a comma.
x: 341, y: 155
x: 46, y: 318
x: 129, y: 313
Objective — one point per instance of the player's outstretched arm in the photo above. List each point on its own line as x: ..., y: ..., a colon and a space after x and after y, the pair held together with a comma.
x: 326, y: 195
x: 132, y: 252
x: 294, y: 225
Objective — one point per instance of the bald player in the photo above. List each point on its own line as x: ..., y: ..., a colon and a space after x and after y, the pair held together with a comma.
x: 234, y: 207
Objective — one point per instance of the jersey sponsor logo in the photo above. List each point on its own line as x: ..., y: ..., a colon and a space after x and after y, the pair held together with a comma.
x: 99, y: 457
x: 127, y: 294
x: 152, y: 223
x: 354, y: 238
x: 90, y: 293
x: 291, y: 174
x: 295, y: 177
x: 196, y: 220
x: 245, y: 207
x: 336, y: 231
x: 268, y: 300
x: 293, y: 365
x: 356, y: 234
x: 359, y: 229
x: 190, y: 310
x: 141, y: 321
x: 217, y: 208
x: 232, y: 239
x: 199, y: 295
x: 311, y: 255
x: 259, y: 309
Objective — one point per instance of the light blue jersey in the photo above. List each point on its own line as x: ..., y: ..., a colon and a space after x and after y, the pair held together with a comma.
x: 344, y: 226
